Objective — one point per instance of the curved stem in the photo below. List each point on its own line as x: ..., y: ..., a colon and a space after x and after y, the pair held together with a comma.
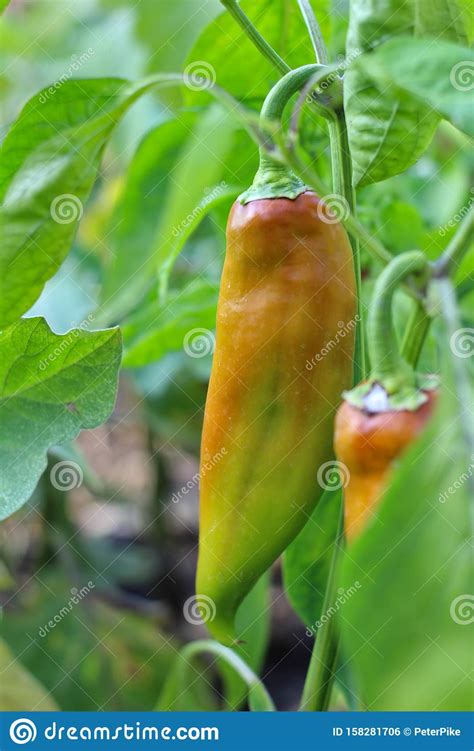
x: 457, y: 247
x: 246, y: 24
x: 388, y: 366
x: 322, y: 666
x: 415, y: 334
x: 314, y: 31
x: 274, y: 179
x: 259, y: 698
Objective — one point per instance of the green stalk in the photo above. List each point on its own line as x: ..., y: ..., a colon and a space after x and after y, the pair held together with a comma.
x: 322, y: 666
x: 246, y: 24
x: 274, y: 179
x: 457, y: 247
x: 415, y: 334
x: 388, y: 366
x: 314, y: 31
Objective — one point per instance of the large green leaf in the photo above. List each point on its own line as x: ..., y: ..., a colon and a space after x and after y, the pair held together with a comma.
x: 177, y: 176
x: 447, y: 19
x: 19, y: 689
x: 51, y: 386
x: 224, y: 52
x: 307, y: 560
x: 138, y: 211
x: 387, y: 132
x: 188, y: 316
x: 48, y: 164
x: 438, y: 76
x: 406, y: 631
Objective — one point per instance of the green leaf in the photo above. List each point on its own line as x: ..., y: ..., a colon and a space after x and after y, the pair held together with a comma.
x: 252, y: 627
x: 19, y: 689
x: 307, y: 561
x: 388, y: 132
x: 3, y: 5
x: 406, y: 630
x: 51, y: 386
x: 446, y: 19
x: 224, y: 52
x: 48, y: 165
x: 196, y: 185
x: 89, y: 655
x: 157, y: 330
x: 178, y: 681
x: 439, y: 76
x: 138, y: 212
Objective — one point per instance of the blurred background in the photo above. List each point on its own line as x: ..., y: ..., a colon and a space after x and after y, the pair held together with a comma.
x: 120, y: 537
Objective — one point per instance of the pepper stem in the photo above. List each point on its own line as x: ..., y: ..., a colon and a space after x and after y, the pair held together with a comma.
x: 393, y: 383
x: 388, y: 366
x: 274, y: 179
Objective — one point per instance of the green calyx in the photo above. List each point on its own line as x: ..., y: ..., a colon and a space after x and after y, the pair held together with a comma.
x: 393, y: 383
x: 274, y: 179
x: 372, y: 396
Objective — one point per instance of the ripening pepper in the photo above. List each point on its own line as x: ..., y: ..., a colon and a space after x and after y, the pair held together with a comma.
x: 381, y: 418
x: 284, y: 351
x: 368, y: 444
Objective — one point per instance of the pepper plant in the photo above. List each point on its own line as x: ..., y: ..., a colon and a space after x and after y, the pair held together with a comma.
x: 323, y: 308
